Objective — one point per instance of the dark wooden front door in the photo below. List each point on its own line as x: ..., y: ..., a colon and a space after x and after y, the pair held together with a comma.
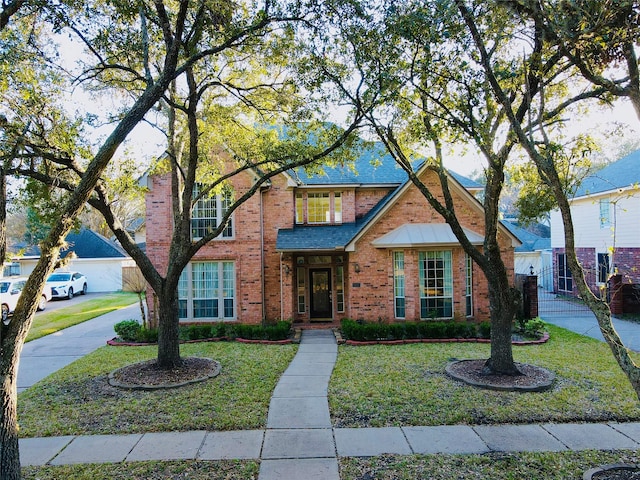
x: 321, y: 293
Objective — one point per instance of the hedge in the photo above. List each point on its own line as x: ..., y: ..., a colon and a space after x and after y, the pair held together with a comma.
x: 132, y: 331
x: 370, y: 331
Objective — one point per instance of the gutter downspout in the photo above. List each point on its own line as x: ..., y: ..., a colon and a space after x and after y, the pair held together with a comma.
x: 281, y: 291
x: 263, y: 281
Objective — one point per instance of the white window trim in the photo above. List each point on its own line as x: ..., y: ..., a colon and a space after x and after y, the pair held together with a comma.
x: 448, y: 286
x: 219, y: 209
x: 186, y: 281
x: 605, y: 217
x: 399, y: 292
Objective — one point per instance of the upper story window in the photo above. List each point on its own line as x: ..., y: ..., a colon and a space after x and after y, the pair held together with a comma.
x: 605, y: 213
x: 321, y: 207
x: 318, y: 208
x: 208, y: 212
x: 299, y: 208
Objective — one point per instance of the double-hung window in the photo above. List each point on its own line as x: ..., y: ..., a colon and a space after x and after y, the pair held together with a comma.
x: 468, y: 291
x: 436, y: 284
x: 398, y: 284
x: 206, y: 291
x: 208, y: 211
x: 605, y: 213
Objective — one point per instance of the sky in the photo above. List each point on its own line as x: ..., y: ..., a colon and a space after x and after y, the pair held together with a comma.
x: 599, y: 122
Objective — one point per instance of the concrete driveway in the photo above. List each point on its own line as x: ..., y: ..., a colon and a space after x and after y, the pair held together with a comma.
x: 55, y: 304
x: 581, y: 320
x: 42, y: 357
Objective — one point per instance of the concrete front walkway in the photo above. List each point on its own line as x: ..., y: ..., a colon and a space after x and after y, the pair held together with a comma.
x: 299, y: 441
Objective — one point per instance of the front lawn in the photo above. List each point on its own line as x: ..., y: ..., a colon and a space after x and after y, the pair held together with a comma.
x: 192, y: 470
x: 382, y: 385
x: 78, y: 400
x: 495, y: 466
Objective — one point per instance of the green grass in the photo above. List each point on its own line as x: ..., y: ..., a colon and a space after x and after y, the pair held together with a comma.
x: 221, y: 470
x: 496, y: 466
x: 78, y: 399
x: 46, y: 323
x: 380, y: 385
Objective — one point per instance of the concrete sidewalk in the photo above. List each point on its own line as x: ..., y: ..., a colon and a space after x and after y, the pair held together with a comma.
x: 299, y: 441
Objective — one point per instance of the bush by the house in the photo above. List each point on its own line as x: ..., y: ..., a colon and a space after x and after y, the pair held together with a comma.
x: 371, y: 331
x: 532, y: 328
x: 430, y: 329
x: 128, y: 330
x: 132, y: 331
x: 484, y: 329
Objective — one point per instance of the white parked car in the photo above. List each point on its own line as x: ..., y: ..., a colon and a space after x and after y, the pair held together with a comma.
x: 10, y: 290
x: 67, y: 284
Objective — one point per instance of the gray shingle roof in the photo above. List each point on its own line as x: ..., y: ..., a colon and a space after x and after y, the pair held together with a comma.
x: 374, y: 166
x: 620, y: 174
x: 86, y: 244
x: 530, y: 241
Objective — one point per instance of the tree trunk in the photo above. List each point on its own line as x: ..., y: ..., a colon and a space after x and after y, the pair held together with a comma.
x: 9, y: 452
x: 168, y: 326
x: 503, y: 304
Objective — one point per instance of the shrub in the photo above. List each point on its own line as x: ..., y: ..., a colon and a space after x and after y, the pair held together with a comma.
x: 132, y: 331
x: 196, y: 332
x: 533, y: 328
x: 484, y: 330
x: 147, y: 335
x: 348, y: 328
x: 279, y: 331
x: 128, y: 330
x: 466, y: 330
x: 364, y: 331
x: 411, y: 330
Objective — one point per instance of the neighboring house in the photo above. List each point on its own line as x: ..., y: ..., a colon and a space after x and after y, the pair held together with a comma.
x: 138, y: 230
x: 606, y: 219
x: 359, y: 243
x: 533, y: 256
x: 100, y: 259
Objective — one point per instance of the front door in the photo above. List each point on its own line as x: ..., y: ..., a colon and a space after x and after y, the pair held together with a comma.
x: 321, y: 294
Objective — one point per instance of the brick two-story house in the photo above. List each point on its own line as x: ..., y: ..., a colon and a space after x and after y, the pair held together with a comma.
x: 355, y: 242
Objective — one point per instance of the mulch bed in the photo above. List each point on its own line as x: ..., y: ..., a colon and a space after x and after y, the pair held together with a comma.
x: 148, y: 376
x: 614, y: 472
x: 533, y: 378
